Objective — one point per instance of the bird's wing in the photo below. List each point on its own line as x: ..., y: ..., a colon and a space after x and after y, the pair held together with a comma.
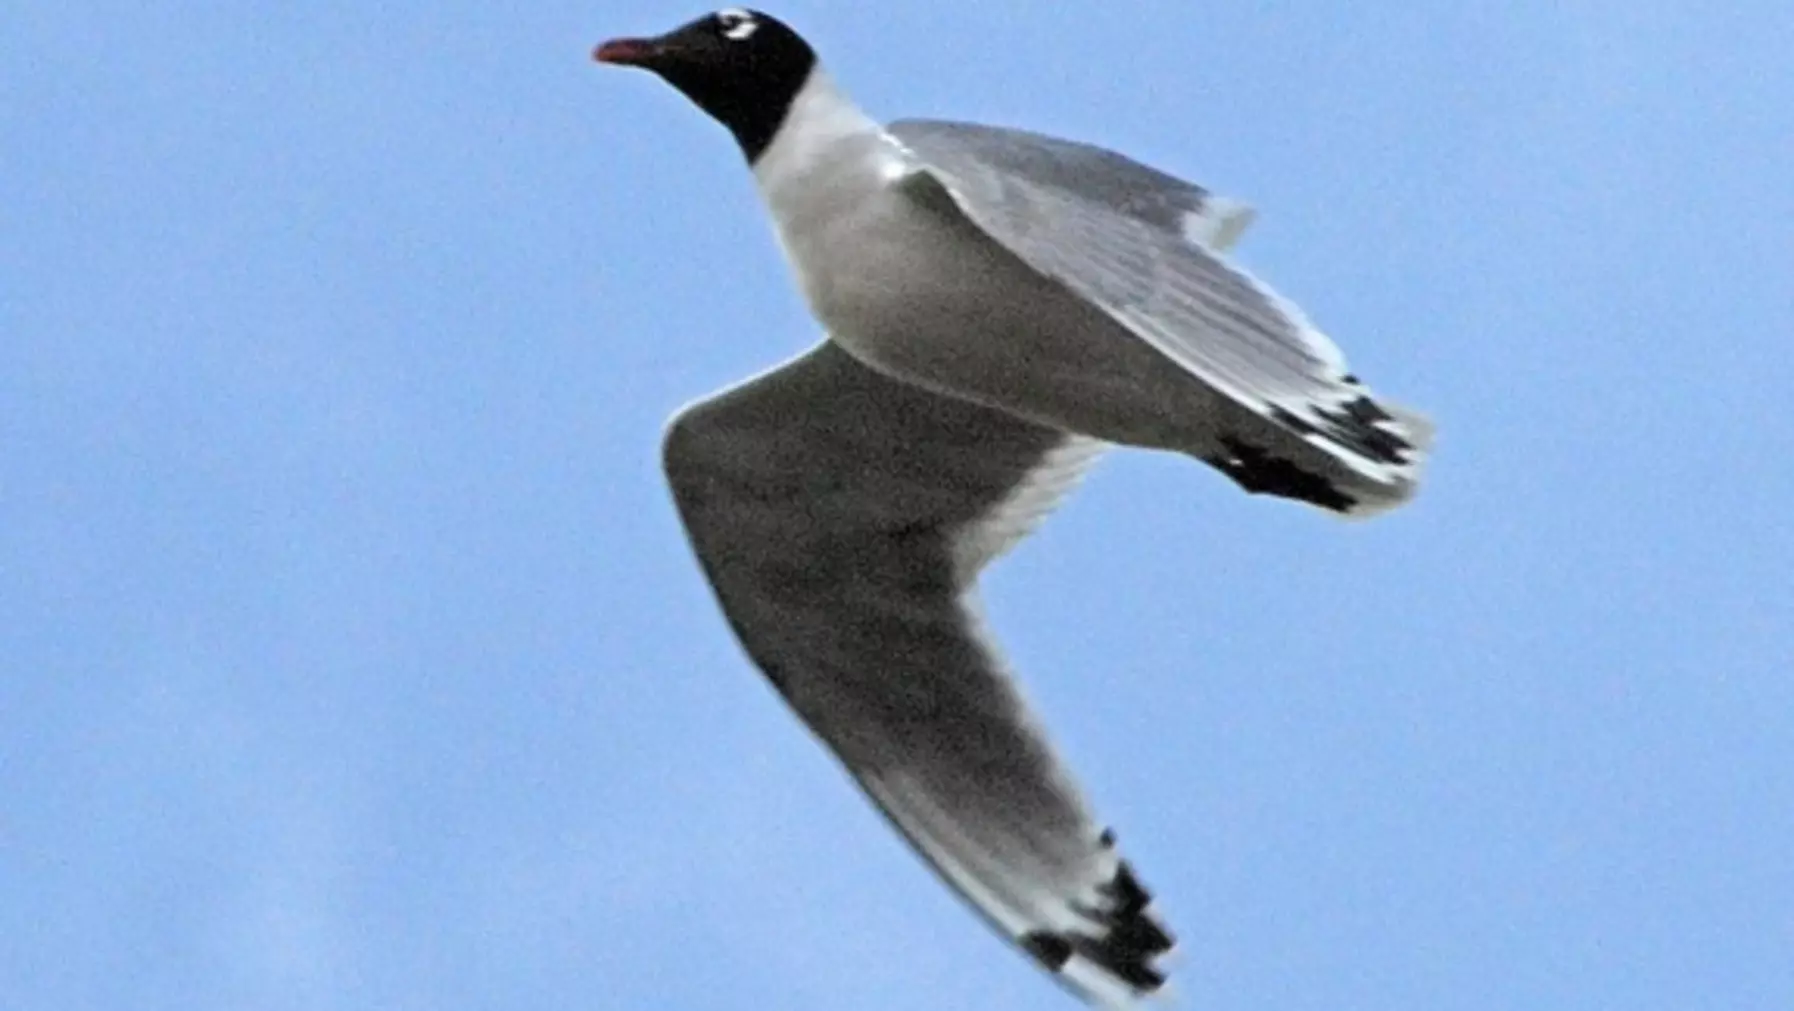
x: 1145, y: 248
x: 842, y: 518
x: 1112, y: 181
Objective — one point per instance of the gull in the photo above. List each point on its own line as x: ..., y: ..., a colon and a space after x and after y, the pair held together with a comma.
x: 999, y: 307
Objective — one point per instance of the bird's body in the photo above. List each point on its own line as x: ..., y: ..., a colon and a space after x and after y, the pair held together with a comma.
x: 903, y: 281
x: 999, y: 307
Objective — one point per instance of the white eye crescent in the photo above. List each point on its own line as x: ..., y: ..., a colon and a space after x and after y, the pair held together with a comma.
x: 737, y: 24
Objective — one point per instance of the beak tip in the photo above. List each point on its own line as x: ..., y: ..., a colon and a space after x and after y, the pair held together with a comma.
x: 623, y: 52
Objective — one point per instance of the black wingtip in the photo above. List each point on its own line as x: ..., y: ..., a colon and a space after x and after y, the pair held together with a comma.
x: 1049, y: 949
x: 1127, y: 948
x: 1359, y: 424
x: 1134, y: 938
x: 1260, y: 473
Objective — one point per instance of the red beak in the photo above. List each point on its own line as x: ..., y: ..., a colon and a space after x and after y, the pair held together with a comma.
x: 627, y: 52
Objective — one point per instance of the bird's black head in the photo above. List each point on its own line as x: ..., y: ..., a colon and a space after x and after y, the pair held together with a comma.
x: 741, y: 66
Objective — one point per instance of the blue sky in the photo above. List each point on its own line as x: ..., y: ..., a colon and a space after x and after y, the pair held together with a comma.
x: 354, y: 658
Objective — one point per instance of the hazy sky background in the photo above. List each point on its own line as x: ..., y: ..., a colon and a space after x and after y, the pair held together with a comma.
x: 354, y: 659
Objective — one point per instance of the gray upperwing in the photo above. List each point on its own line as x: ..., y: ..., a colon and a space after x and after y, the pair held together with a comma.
x: 1113, y: 180
x: 841, y: 518
x: 1105, y: 227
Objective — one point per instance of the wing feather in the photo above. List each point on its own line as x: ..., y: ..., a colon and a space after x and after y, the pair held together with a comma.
x: 842, y: 518
x: 1104, y: 226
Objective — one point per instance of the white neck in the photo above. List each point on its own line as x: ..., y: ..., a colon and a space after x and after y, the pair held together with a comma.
x: 821, y: 119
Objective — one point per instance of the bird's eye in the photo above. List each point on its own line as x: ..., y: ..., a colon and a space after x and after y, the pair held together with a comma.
x: 736, y: 24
